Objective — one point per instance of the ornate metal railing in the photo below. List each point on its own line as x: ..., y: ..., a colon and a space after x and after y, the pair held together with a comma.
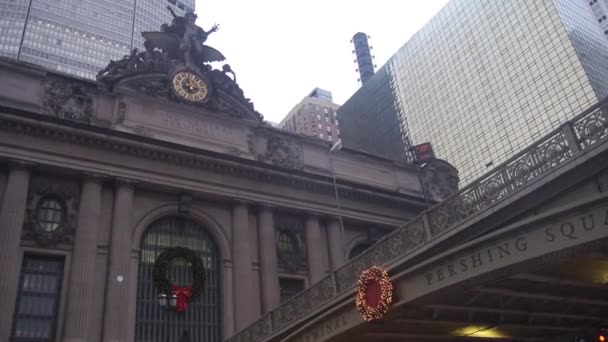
x: 574, y: 137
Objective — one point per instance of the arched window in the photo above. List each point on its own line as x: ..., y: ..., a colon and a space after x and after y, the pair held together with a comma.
x: 202, y: 317
x: 358, y: 249
x: 288, y: 244
x: 51, y: 213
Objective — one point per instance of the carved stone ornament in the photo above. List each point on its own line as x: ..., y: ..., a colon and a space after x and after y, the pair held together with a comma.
x: 251, y: 144
x: 293, y: 259
x: 176, y: 65
x: 65, y: 195
x: 283, y: 152
x: 439, y: 179
x: 143, y: 131
x: 68, y: 100
x: 120, y: 113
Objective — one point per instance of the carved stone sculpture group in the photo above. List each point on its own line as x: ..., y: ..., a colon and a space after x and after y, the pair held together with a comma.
x: 179, y: 48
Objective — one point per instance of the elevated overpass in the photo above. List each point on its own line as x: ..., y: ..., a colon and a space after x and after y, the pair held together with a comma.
x: 519, y: 255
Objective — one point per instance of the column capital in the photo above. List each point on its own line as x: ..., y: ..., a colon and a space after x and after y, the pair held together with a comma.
x: 332, y: 219
x: 312, y: 215
x: 243, y: 202
x: 125, y: 182
x: 93, y: 177
x: 266, y: 206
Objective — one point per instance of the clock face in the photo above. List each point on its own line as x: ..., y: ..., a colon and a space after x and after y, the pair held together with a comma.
x: 190, y: 86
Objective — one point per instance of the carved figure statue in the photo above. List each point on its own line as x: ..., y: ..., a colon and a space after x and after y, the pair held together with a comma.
x: 177, y: 47
x: 151, y: 59
x: 226, y: 69
x: 116, y: 68
x: 193, y: 37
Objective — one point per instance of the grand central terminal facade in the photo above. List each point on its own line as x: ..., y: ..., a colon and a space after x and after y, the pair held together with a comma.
x: 157, y: 205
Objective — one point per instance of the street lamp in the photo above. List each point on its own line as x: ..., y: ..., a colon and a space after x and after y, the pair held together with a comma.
x: 167, y: 304
x: 336, y: 148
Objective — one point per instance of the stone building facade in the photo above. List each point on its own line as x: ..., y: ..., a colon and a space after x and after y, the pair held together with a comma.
x: 96, y: 182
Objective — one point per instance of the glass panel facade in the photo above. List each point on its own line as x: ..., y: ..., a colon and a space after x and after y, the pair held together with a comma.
x: 38, y: 299
x: 369, y: 120
x: 202, y: 317
x: 484, y: 79
x: 590, y: 43
x: 79, y: 37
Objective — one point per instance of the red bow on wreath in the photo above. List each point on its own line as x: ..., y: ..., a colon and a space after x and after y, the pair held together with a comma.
x: 183, y: 294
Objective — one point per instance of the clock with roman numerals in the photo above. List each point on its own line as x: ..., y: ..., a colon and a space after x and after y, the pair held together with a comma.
x: 190, y: 87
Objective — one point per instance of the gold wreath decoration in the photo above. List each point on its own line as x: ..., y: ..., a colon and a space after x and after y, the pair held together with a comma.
x: 379, y: 274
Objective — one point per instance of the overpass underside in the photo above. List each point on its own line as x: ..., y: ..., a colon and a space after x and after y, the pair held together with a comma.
x: 550, y: 302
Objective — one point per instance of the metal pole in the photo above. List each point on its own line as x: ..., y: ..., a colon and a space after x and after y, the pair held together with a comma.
x: 337, y: 196
x: 27, y: 17
x: 167, y: 339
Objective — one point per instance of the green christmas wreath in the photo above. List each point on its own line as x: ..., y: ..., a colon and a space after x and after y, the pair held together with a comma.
x: 162, y: 262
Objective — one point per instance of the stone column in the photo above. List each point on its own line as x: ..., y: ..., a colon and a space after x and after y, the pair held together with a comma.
x: 269, y: 280
x: 242, y: 270
x: 81, y: 287
x: 118, y: 301
x: 316, y: 254
x: 12, y: 214
x: 336, y: 244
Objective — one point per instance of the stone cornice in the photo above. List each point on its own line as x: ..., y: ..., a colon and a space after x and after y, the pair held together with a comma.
x: 147, y: 148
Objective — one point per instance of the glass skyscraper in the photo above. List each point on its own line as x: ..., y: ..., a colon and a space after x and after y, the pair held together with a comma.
x: 79, y: 37
x: 482, y: 80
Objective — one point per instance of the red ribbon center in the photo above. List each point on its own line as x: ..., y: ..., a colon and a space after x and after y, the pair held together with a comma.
x: 183, y: 294
x: 373, y: 293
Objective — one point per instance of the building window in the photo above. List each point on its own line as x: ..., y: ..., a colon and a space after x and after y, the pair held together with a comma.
x: 321, y: 135
x: 318, y: 116
x: 202, y: 320
x: 50, y: 213
x: 320, y: 126
x: 290, y: 287
x: 326, y: 119
x: 358, y: 249
x: 328, y: 128
x: 326, y: 110
x: 35, y: 316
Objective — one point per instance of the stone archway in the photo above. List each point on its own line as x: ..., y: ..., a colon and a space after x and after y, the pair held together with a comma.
x: 202, y: 320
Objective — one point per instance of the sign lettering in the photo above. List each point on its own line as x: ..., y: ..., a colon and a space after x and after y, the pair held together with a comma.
x: 565, y: 233
x: 195, y: 126
x: 327, y: 328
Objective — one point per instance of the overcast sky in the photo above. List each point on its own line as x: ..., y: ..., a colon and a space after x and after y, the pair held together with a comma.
x: 281, y: 49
